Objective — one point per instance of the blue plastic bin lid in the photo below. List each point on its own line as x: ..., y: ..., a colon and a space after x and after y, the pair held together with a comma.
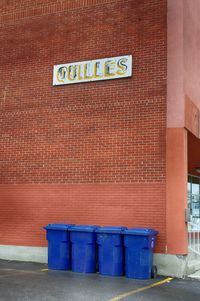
x: 58, y: 226
x: 114, y: 230
x: 141, y: 231
x: 83, y: 228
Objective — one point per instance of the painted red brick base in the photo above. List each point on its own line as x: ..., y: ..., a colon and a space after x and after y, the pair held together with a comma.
x: 25, y: 209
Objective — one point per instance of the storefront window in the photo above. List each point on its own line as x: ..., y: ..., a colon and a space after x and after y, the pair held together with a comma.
x: 194, y: 198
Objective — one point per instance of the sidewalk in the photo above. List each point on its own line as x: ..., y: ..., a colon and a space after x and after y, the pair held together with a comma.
x: 21, y: 281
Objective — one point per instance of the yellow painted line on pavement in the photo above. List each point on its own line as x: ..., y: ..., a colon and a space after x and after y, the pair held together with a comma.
x: 138, y: 290
x: 44, y: 270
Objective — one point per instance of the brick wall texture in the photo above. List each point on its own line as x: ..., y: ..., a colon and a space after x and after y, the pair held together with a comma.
x: 84, y: 153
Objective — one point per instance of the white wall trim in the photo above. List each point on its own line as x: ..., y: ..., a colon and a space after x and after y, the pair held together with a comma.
x: 21, y: 253
x: 167, y: 265
x: 171, y: 265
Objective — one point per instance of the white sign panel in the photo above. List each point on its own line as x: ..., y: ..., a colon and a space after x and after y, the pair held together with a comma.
x: 87, y: 71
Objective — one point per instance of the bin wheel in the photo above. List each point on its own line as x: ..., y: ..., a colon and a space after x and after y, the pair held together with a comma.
x: 154, y: 271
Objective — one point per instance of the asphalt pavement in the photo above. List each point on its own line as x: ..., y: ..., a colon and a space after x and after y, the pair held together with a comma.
x: 21, y: 281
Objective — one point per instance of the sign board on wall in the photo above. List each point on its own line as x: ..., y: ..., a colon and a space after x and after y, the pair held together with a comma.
x: 87, y: 71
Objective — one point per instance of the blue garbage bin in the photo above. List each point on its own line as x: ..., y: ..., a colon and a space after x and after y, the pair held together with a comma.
x: 139, y: 246
x: 110, y: 250
x: 84, y: 255
x: 58, y: 246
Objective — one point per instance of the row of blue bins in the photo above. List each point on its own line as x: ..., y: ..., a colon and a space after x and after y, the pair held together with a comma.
x: 113, y: 251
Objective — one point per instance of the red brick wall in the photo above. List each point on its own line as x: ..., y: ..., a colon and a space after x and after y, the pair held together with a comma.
x: 14, y: 10
x: 93, y: 133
